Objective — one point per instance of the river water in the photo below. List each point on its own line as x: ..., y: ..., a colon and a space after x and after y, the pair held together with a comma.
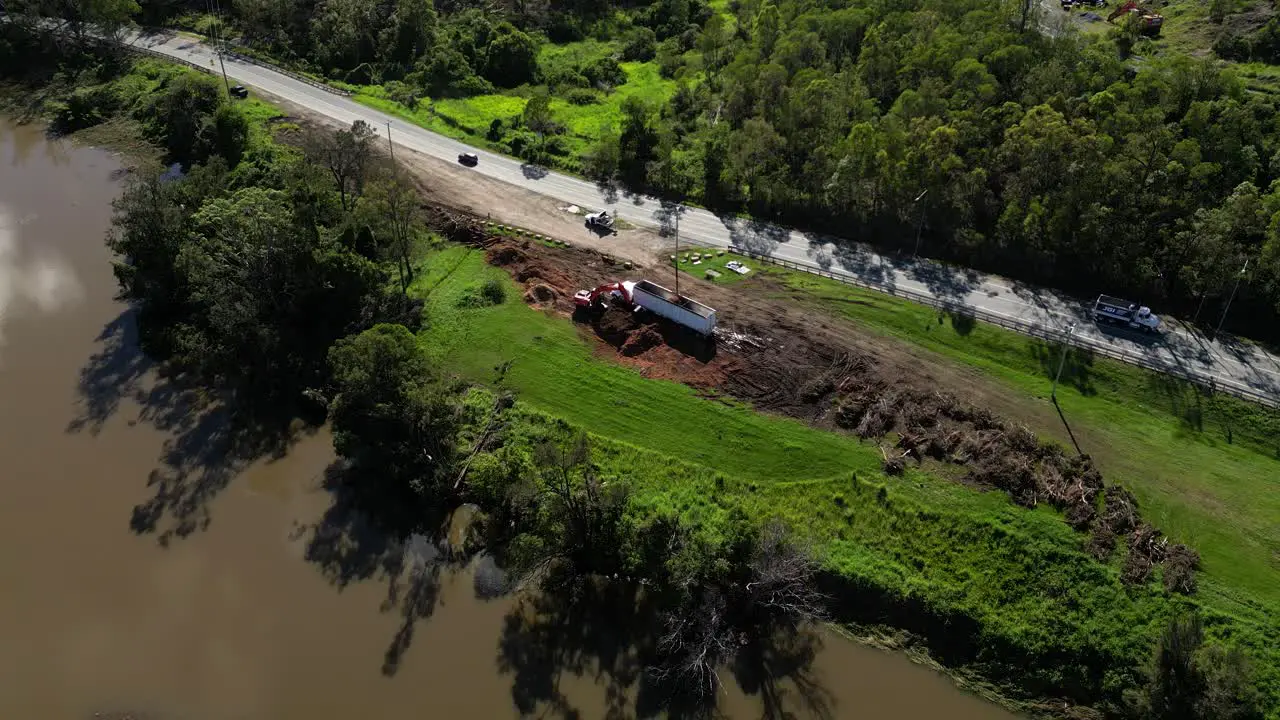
x: 147, y: 573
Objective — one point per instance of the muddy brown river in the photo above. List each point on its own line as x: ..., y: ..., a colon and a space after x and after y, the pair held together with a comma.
x: 144, y: 575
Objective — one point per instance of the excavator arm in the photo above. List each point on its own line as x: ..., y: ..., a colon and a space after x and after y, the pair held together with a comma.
x: 588, y: 298
x: 1119, y: 11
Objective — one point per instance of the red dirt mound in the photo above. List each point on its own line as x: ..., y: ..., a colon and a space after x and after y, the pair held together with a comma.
x: 503, y: 255
x: 615, y: 325
x: 540, y: 294
x: 641, y: 340
x: 663, y: 362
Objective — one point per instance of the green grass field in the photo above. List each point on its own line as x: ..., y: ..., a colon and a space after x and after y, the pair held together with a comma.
x: 1045, y: 610
x: 1205, y: 468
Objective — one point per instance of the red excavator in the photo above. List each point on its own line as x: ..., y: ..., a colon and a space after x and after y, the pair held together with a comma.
x: 602, y: 295
x: 1149, y: 21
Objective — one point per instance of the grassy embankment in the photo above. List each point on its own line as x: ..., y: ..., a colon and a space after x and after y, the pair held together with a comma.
x: 1206, y: 468
x: 1000, y: 589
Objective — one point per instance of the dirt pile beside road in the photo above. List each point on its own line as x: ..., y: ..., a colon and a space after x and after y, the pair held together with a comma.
x: 546, y: 285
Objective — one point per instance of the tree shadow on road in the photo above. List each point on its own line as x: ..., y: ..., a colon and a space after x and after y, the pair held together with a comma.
x: 944, y: 282
x: 754, y: 236
x: 862, y: 264
x: 533, y: 172
x: 667, y: 215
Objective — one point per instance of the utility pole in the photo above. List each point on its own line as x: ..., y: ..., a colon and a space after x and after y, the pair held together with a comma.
x: 1233, y: 297
x: 1063, y: 362
x: 677, y: 262
x: 390, y: 147
x: 218, y: 44
x: 920, y: 222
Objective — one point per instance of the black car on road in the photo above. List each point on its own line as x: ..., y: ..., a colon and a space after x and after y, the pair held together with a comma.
x: 468, y: 159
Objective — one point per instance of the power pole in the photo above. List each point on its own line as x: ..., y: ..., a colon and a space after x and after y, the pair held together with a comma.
x: 1063, y: 362
x: 218, y: 44
x: 390, y: 147
x: 919, y: 222
x: 1233, y: 297
x: 677, y: 262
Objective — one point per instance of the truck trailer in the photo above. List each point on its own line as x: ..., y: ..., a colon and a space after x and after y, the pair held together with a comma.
x: 676, y: 308
x: 1116, y: 311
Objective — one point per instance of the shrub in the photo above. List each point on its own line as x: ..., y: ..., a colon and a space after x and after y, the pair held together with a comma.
x: 496, y: 130
x: 556, y: 145
x: 604, y: 72
x: 582, y: 96
x: 403, y: 93
x: 669, y: 57
x: 566, y: 77
x: 491, y: 292
x: 640, y: 45
x: 494, y: 291
x: 84, y: 108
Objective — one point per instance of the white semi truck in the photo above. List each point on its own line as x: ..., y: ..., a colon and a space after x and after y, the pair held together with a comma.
x: 1116, y: 311
x: 676, y: 308
x: 654, y: 298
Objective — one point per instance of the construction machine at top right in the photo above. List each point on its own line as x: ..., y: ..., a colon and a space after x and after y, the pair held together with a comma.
x: 1149, y: 21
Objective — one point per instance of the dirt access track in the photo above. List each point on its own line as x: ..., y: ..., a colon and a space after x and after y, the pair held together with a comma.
x: 452, y: 185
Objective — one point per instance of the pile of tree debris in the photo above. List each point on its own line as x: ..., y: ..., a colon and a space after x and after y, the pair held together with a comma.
x: 938, y: 426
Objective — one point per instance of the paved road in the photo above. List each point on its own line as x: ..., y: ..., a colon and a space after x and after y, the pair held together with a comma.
x: 1236, y: 367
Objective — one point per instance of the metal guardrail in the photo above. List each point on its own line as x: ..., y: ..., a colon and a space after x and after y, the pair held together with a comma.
x: 296, y: 76
x: 168, y: 58
x: 244, y: 58
x: 1214, y: 384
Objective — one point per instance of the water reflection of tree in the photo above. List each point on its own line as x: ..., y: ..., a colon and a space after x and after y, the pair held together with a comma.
x: 658, y: 612
x: 610, y: 631
x: 580, y: 628
x: 359, y: 539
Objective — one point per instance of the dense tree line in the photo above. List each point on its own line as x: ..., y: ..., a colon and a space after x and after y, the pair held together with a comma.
x: 1051, y: 160
x: 250, y: 263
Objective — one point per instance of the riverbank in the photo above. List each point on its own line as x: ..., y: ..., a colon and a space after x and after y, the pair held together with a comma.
x: 922, y: 552
x: 281, y: 603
